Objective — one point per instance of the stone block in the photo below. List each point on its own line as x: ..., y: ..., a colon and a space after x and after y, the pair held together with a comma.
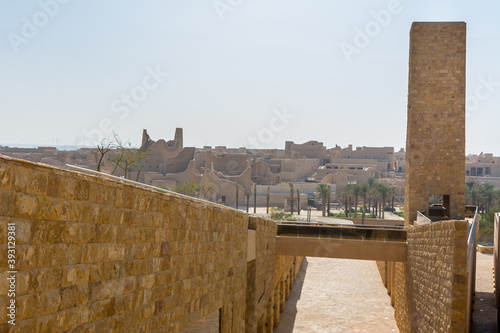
x: 7, y: 202
x: 6, y: 175
x: 37, y: 183
x: 75, y: 275
x: 138, y: 267
x: 21, y: 176
x: 105, y: 289
x: 40, y: 279
x: 106, y: 233
x: 74, y: 296
x: 26, y: 205
x: 28, y: 306
x: 101, y: 309
x: 50, y: 301
x: 146, y: 281
x: 105, y: 270
x: 93, y: 253
x: 74, y: 254
x: 53, y: 180
x: 161, y: 264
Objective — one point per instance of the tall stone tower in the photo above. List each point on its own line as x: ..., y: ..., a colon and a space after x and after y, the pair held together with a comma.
x: 435, y: 138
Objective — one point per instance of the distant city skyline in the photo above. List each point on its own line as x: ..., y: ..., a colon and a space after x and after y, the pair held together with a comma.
x: 231, y: 73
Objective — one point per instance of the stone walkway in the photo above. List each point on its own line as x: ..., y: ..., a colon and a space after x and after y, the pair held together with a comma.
x: 484, y: 317
x: 338, y: 295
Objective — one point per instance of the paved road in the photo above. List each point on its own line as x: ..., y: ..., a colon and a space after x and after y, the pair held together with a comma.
x: 338, y: 295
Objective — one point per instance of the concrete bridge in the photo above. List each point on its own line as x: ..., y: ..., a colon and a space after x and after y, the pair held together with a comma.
x: 380, y: 243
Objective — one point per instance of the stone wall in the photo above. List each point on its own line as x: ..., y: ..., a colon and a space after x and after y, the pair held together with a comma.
x: 94, y: 254
x: 430, y: 289
x: 269, y: 279
x: 382, y: 269
x: 435, y: 140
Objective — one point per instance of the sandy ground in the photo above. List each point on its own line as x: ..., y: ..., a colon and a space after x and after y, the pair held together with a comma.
x: 338, y: 295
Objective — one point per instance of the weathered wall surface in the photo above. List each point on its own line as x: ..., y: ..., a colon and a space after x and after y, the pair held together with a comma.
x: 435, y: 140
x: 100, y: 255
x: 430, y: 290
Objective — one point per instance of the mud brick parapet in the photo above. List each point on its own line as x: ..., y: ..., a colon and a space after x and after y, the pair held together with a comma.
x: 94, y: 254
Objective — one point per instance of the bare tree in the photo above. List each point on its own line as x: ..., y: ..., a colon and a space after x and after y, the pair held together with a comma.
x: 127, y: 156
x: 206, y: 188
x: 102, y: 148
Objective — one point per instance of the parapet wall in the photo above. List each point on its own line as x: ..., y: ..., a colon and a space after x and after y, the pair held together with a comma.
x: 94, y: 254
x: 269, y: 278
x: 429, y: 291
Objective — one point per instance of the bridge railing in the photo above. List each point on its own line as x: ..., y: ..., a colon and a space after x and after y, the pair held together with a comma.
x: 342, y: 232
x: 472, y: 235
x: 421, y: 218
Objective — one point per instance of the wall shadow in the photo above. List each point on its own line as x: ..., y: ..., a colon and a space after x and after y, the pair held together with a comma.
x: 287, y: 317
x: 484, y: 319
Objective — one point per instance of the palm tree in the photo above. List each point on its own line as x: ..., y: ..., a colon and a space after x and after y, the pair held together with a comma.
x: 363, y: 191
x: 385, y: 192
x: 470, y: 192
x: 348, y: 194
x: 375, y: 194
x: 356, y: 191
x: 322, y: 193
x: 370, y: 182
x: 487, y: 194
x: 344, y: 192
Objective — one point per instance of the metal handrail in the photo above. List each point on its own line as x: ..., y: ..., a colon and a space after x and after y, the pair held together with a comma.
x: 472, y: 236
x: 342, y: 232
x: 422, y: 218
x: 472, y: 233
x: 340, y: 225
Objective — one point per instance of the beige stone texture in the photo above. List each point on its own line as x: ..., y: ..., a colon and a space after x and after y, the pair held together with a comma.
x: 435, y: 140
x: 100, y: 255
x: 429, y: 291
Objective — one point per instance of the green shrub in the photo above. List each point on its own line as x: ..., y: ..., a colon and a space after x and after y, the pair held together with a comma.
x: 400, y: 213
x: 280, y: 215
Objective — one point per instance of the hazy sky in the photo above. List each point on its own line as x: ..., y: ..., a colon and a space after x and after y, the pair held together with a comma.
x: 230, y: 72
